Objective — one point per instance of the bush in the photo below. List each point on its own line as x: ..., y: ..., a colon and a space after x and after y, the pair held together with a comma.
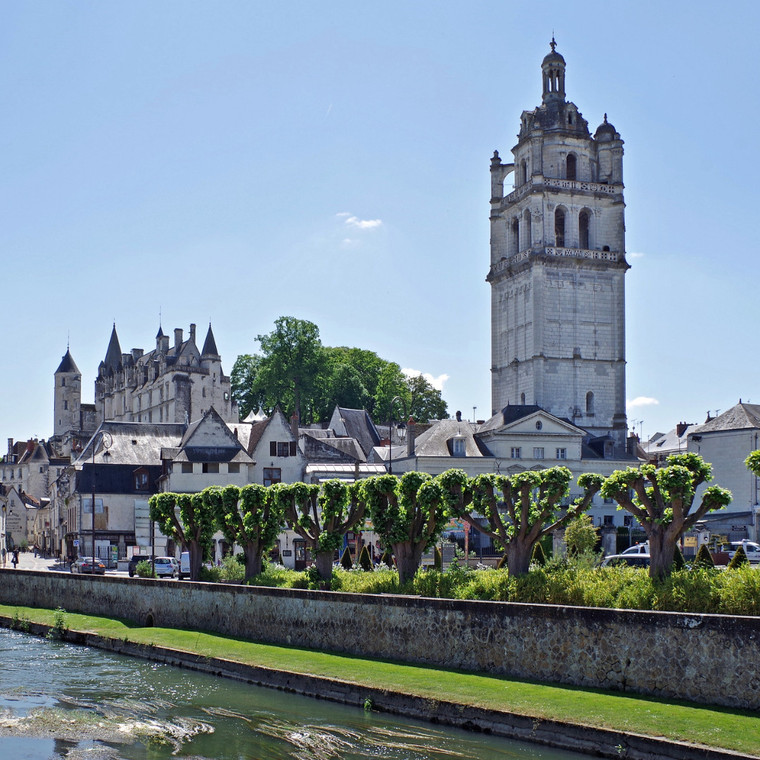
x: 387, y: 559
x: 679, y: 563
x: 538, y: 558
x: 739, y: 559
x: 211, y: 574
x: 581, y: 536
x: 365, y: 561
x: 144, y: 569
x: 233, y: 568
x: 704, y: 559
x: 345, y: 559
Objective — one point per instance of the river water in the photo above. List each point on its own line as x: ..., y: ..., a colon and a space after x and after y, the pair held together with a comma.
x: 63, y: 701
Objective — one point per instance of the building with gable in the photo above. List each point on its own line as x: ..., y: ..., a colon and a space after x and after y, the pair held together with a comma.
x: 558, y: 267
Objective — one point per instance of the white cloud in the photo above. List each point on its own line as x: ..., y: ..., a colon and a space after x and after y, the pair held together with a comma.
x: 636, y: 255
x: 436, y: 382
x: 359, y: 224
x: 641, y: 401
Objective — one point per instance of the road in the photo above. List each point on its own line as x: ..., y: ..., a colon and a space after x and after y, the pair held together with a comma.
x: 27, y: 561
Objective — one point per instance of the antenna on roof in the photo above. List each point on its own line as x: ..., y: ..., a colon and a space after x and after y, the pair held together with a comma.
x: 68, y: 339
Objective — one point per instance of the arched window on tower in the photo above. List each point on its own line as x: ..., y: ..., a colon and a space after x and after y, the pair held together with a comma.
x: 590, y: 403
x: 524, y: 171
x: 570, y: 164
x: 522, y: 399
x: 559, y: 228
x: 527, y: 236
x: 515, y: 237
x: 584, y: 219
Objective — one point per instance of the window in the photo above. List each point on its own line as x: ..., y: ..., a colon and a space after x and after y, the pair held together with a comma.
x: 63, y: 382
x: 559, y: 228
x: 570, y: 167
x: 141, y: 481
x: 590, y: 403
x: 528, y: 236
x: 233, y: 467
x: 211, y: 467
x: 187, y: 468
x: 458, y: 446
x: 516, y: 452
x: 608, y: 520
x: 65, y: 404
x: 87, y: 506
x: 515, y: 235
x: 583, y: 228
x: 282, y: 448
x: 272, y: 475
x: 561, y: 453
x: 538, y: 452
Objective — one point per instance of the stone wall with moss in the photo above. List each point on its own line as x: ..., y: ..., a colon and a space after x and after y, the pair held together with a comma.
x: 703, y: 658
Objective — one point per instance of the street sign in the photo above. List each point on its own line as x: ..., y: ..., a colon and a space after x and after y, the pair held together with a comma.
x: 76, y: 542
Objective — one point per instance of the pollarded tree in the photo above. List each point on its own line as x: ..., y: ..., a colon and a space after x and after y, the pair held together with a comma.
x: 408, y: 514
x: 248, y: 517
x: 321, y: 515
x: 662, y: 500
x: 519, y: 509
x: 186, y: 519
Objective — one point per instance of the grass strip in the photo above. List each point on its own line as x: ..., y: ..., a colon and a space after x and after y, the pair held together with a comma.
x: 723, y: 728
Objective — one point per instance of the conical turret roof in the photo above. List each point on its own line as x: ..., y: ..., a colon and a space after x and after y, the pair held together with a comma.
x: 68, y: 364
x: 209, y: 345
x: 113, y: 354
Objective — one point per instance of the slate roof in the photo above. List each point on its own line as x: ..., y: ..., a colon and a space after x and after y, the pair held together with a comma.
x: 668, y: 443
x: 739, y: 417
x: 133, y: 443
x: 209, y: 345
x: 435, y: 442
x: 355, y: 423
x: 113, y: 354
x: 68, y: 364
x: 514, y: 412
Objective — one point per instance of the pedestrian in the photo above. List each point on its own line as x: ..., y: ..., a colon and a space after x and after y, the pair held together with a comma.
x: 14, y: 560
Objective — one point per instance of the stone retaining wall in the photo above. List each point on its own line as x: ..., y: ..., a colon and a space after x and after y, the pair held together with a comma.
x: 702, y: 658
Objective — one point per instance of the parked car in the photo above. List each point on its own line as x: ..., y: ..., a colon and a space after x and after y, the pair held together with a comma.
x: 184, y: 565
x: 133, y: 562
x: 633, y: 560
x: 751, y: 549
x: 166, y: 567
x: 637, y: 549
x: 87, y: 565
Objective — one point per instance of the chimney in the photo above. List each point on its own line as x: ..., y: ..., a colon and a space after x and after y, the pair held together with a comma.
x: 30, y: 446
x: 177, y: 337
x: 192, y: 332
x: 294, y: 425
x: 10, y: 449
x: 410, y: 434
x: 681, y: 428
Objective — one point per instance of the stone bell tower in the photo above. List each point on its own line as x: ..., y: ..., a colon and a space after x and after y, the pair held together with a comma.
x: 558, y: 267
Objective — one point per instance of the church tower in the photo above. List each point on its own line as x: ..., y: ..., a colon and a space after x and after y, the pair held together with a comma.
x: 558, y: 267
x: 67, y: 397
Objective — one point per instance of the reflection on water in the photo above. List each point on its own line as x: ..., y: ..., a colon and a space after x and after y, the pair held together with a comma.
x: 62, y: 701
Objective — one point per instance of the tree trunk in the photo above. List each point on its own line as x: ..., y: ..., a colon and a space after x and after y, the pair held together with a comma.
x: 661, y: 553
x: 252, y: 560
x: 196, y: 560
x: 518, y: 557
x: 324, y: 563
x: 408, y: 558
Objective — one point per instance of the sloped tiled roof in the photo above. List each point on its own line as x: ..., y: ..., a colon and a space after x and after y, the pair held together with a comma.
x: 739, y: 417
x: 356, y: 423
x: 434, y: 442
x: 68, y: 364
x: 135, y: 443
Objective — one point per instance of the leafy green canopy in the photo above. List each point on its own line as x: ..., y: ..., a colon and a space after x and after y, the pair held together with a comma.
x: 297, y: 372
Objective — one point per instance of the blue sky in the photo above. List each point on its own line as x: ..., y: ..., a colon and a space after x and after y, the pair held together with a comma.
x: 237, y: 161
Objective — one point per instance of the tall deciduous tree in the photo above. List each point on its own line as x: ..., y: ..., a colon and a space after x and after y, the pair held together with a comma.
x: 188, y: 520
x: 520, y: 509
x: 321, y: 515
x: 662, y: 500
x: 408, y: 514
x: 248, y: 517
x: 290, y: 366
x: 424, y: 402
x: 245, y: 390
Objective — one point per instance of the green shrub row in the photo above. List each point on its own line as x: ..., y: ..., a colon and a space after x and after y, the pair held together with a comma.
x: 699, y: 590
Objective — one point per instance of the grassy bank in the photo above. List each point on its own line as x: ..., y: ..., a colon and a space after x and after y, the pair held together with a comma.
x: 714, y: 727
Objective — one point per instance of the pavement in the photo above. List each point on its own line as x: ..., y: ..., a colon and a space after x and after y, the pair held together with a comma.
x: 27, y: 561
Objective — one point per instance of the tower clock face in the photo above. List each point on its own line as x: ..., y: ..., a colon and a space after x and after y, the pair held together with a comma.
x: 106, y: 440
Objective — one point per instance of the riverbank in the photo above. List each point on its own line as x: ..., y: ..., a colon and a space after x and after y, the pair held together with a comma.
x: 607, y: 724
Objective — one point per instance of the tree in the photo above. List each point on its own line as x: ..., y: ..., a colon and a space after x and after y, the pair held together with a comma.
x: 519, y: 509
x: 245, y: 390
x: 424, y: 402
x: 408, y: 515
x: 390, y: 384
x: 290, y: 366
x: 662, y: 500
x: 321, y: 515
x: 188, y: 520
x: 248, y: 517
x: 581, y: 536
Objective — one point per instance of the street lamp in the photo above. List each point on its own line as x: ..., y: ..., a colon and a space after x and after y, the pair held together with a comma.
x: 390, y: 431
x: 106, y: 440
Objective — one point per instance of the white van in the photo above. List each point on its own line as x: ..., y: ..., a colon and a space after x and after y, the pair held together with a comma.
x: 184, y: 565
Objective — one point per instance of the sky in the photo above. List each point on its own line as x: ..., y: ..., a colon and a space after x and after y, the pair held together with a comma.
x: 232, y: 162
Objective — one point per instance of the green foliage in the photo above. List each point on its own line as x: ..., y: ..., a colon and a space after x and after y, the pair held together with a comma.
x: 365, y: 560
x: 345, y: 559
x: 679, y: 563
x: 438, y: 559
x: 245, y: 390
x: 581, y: 535
x: 502, y: 563
x: 752, y: 462
x: 387, y: 559
x: 663, y: 501
x: 232, y: 568
x: 20, y: 622
x: 211, y: 574
x: 538, y: 558
x: 59, y: 627
x: 144, y: 569
x: 739, y: 559
x: 704, y: 558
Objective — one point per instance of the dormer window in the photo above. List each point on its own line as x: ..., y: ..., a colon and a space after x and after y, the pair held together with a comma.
x: 458, y: 446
